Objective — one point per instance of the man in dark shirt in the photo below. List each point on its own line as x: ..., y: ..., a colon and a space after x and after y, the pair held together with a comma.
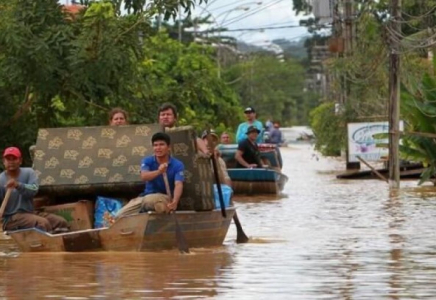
x: 247, y: 155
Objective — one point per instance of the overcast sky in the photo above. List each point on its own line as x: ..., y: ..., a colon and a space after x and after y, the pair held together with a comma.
x: 238, y: 14
x: 242, y: 14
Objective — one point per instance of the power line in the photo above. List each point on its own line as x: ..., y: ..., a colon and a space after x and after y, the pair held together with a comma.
x: 250, y: 13
x: 253, y: 29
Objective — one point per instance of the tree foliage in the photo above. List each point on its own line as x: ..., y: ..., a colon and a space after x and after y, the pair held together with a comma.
x: 58, y: 70
x: 419, y: 111
x: 275, y: 88
x: 329, y: 129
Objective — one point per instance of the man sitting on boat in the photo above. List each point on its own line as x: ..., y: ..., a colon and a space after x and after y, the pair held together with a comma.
x: 19, y: 212
x: 248, y: 155
x: 225, y: 138
x: 167, y: 118
x: 152, y: 167
x: 250, y: 114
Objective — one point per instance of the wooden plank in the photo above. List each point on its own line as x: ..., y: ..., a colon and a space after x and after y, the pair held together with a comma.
x: 372, y: 169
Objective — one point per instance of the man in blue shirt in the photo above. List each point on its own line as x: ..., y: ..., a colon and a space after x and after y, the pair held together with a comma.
x: 152, y: 167
x: 250, y: 114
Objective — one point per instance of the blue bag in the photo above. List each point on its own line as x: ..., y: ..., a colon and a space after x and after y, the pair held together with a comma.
x: 227, y: 195
x: 107, y: 206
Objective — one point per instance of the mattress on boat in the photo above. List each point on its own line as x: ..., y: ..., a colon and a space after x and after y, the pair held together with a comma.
x: 82, y: 162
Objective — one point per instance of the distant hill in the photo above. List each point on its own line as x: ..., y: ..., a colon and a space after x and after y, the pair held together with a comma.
x: 291, y: 48
x: 247, y: 48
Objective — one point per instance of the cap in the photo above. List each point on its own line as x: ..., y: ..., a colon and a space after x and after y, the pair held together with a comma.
x: 14, y: 151
x: 249, y: 110
x: 252, y: 129
x: 212, y: 132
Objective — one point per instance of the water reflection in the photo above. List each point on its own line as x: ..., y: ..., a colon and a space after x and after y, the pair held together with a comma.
x: 327, y: 239
x: 114, y: 275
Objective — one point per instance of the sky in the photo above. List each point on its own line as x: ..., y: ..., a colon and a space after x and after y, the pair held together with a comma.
x: 243, y: 14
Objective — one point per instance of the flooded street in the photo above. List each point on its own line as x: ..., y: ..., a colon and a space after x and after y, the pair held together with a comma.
x: 326, y: 239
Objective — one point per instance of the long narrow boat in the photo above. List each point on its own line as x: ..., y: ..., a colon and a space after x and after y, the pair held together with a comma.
x: 268, y: 180
x: 259, y: 180
x: 76, y: 164
x: 140, y: 232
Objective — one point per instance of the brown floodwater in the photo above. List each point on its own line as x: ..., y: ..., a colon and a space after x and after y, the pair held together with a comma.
x: 323, y: 239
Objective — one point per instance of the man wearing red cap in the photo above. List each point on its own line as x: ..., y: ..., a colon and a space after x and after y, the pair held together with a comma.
x: 19, y: 212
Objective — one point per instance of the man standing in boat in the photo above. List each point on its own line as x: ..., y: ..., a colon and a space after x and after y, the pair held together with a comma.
x: 248, y: 155
x: 152, y: 167
x: 222, y: 171
x: 19, y: 212
x: 167, y: 117
x: 250, y: 115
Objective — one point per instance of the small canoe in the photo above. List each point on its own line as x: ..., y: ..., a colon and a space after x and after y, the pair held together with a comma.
x: 259, y: 181
x: 139, y: 232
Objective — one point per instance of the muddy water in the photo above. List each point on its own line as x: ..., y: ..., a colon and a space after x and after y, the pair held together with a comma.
x: 324, y: 239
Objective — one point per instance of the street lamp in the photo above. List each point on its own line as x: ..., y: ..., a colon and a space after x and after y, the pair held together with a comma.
x: 226, y: 14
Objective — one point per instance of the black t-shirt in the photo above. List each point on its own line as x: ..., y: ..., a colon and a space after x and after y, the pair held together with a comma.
x: 250, y: 153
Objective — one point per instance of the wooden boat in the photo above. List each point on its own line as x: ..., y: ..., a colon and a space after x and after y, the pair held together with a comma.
x: 268, y: 180
x: 80, y: 163
x: 140, y: 232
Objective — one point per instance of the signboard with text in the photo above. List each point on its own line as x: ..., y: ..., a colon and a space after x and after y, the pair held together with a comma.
x: 365, y: 140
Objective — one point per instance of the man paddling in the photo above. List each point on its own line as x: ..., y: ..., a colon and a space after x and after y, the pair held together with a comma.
x: 19, y: 213
x: 152, y: 168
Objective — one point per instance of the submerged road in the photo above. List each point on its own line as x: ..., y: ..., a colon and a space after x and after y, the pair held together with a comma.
x: 323, y: 239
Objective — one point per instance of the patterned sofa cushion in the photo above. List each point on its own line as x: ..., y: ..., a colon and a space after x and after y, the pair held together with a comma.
x: 198, y: 186
x: 92, y: 160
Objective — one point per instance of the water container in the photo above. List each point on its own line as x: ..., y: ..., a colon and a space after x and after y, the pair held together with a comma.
x: 105, y: 209
x: 227, y: 195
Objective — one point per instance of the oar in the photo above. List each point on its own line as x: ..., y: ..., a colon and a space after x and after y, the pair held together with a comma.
x: 181, y: 241
x: 5, y: 201
x: 241, y: 237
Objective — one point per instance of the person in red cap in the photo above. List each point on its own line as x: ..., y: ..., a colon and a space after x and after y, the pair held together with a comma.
x: 19, y: 212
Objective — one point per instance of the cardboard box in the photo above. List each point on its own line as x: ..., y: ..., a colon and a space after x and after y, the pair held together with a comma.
x: 79, y: 215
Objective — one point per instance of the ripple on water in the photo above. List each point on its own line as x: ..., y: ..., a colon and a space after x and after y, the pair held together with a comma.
x: 326, y: 239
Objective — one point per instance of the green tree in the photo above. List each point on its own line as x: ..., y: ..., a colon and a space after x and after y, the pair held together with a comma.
x: 62, y: 70
x: 275, y: 88
x: 187, y: 77
x: 419, y: 111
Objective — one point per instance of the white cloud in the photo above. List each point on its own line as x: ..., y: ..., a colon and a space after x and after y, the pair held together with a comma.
x: 270, y: 13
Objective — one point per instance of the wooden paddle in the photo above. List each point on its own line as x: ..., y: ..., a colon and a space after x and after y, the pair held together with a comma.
x: 5, y: 202
x: 181, y: 241
x: 241, y: 237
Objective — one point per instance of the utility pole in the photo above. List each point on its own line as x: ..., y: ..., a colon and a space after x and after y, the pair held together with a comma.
x: 180, y: 23
x: 348, y: 49
x: 394, y: 95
